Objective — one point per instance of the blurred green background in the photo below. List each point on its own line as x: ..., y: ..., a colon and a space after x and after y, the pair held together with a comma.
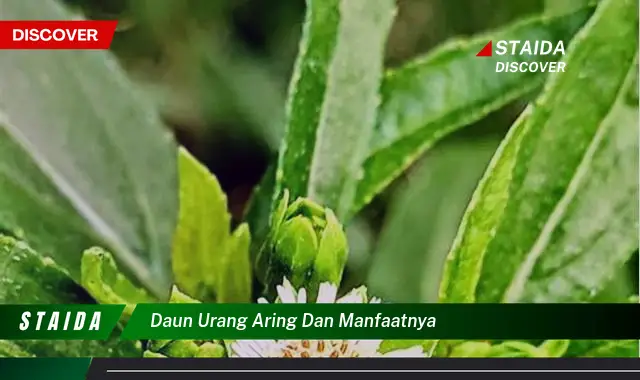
x: 218, y: 71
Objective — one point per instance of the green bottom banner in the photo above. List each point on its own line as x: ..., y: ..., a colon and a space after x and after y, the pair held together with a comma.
x: 384, y: 321
x: 323, y: 321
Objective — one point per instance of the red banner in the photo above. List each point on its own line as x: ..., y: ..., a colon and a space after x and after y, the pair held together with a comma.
x: 70, y: 35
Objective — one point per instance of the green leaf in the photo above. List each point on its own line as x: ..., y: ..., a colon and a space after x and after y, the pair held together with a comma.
x: 183, y: 348
x: 80, y: 126
x: 555, y: 348
x: 509, y: 349
x: 392, y: 345
x: 514, y: 349
x: 447, y: 89
x: 264, y: 258
x: 333, y: 99
x: 202, y: 231
x: 28, y: 278
x: 258, y: 212
x: 235, y: 284
x: 621, y: 286
x: 463, y: 264
x: 471, y: 349
x: 604, y: 348
x: 208, y: 261
x: 107, y: 285
x: 32, y: 209
x: 423, y: 219
x: 178, y: 297
x: 331, y: 257
x: 9, y: 349
x: 550, y: 221
x: 559, y: 6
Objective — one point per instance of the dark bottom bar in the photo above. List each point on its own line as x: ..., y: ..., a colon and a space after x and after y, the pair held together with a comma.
x: 376, y: 375
x: 347, y: 369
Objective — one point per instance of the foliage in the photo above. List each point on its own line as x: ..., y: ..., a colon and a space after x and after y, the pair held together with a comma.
x: 209, y: 261
x: 31, y: 278
x: 528, y: 234
x: 77, y: 157
x: 93, y: 180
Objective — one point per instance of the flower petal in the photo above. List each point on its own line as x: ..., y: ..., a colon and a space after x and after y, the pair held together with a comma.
x: 327, y: 293
x: 344, y: 348
x: 358, y: 295
x: 367, y: 348
x: 286, y: 292
x: 302, y: 296
x: 250, y: 348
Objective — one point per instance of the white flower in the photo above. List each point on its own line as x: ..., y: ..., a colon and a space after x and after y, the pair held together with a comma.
x: 317, y: 348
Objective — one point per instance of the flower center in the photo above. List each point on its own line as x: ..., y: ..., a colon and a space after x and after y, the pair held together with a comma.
x: 317, y: 349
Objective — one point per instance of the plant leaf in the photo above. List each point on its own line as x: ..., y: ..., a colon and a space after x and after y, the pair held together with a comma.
x: 423, y: 219
x: 31, y: 208
x: 235, y: 281
x: 205, y: 254
x: 555, y: 348
x: 107, y: 285
x: 9, y: 349
x: 621, y: 286
x: 258, y: 211
x: 463, y: 264
x: 333, y: 99
x: 28, y: 278
x: 76, y: 116
x: 387, y: 346
x: 603, y: 348
x: 447, y: 89
x: 550, y: 221
x: 183, y: 348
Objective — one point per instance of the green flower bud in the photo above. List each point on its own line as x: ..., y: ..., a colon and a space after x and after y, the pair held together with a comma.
x: 185, y: 349
x: 306, y: 244
x: 181, y: 349
x: 211, y: 350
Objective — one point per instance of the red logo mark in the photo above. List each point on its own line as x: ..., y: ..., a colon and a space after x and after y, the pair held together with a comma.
x: 487, y: 50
